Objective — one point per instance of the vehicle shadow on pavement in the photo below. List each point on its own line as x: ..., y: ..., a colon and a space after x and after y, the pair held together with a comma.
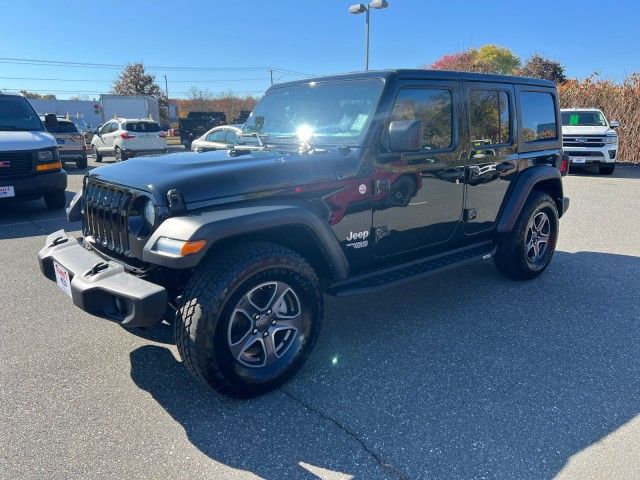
x: 31, y: 219
x: 463, y: 375
x: 621, y: 171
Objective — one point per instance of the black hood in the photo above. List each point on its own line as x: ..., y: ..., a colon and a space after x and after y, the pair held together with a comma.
x: 205, y: 177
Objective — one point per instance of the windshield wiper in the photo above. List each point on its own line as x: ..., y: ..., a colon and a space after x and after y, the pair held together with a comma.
x: 258, y: 136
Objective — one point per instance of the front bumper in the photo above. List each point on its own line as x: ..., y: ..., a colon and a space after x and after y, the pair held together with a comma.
x: 606, y: 154
x: 36, y: 185
x: 103, y: 288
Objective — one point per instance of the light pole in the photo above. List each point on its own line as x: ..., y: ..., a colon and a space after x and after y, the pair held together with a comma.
x: 359, y: 8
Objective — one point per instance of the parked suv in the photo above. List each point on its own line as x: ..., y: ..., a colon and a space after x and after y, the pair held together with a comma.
x: 589, y: 138
x: 71, y: 144
x: 125, y: 138
x: 347, y: 184
x: 30, y: 166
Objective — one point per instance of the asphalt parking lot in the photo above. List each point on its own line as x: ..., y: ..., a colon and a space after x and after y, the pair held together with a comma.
x: 462, y: 375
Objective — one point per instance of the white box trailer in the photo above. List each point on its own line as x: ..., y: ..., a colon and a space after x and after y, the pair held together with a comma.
x: 129, y: 106
x: 89, y: 110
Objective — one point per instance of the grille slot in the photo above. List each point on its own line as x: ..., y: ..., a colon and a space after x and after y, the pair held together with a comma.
x: 106, y: 215
x: 15, y: 164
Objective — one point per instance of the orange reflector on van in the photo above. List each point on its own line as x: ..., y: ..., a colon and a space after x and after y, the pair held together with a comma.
x: 43, y: 167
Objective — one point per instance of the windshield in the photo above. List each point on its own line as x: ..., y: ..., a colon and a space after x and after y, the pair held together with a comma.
x: 334, y: 112
x: 16, y: 113
x: 584, y: 119
x: 64, y: 126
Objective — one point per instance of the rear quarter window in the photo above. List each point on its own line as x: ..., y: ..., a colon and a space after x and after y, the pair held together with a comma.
x: 538, y: 116
x: 63, y: 127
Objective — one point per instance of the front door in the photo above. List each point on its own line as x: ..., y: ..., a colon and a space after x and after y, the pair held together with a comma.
x: 492, y: 153
x: 418, y: 196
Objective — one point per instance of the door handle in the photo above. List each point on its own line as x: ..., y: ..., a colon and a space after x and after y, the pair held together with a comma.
x: 505, y: 166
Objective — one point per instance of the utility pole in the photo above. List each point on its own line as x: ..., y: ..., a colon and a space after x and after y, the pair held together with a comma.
x: 271, y: 73
x: 166, y: 91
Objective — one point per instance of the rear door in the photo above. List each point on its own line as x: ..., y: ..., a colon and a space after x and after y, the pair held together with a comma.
x: 492, y: 158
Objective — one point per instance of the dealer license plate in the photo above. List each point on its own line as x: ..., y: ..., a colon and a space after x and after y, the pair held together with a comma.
x: 6, y: 192
x: 578, y: 159
x: 62, y: 278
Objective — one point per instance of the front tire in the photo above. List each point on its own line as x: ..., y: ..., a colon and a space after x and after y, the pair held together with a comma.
x: 81, y: 164
x: 249, y: 318
x: 607, y: 168
x: 55, y: 200
x: 525, y: 252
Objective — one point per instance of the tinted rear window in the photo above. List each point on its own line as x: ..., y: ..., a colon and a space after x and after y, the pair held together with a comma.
x: 538, y: 116
x: 142, y: 127
x: 63, y: 127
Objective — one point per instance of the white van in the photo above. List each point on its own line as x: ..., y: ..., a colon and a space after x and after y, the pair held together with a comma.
x: 30, y: 165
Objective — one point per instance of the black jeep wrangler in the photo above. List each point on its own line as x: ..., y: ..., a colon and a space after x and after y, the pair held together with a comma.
x: 341, y: 185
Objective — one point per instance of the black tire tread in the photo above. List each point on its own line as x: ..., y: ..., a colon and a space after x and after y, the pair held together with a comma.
x: 208, y: 291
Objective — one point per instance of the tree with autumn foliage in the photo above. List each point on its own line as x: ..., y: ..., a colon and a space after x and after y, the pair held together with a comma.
x: 133, y: 80
x: 538, y: 66
x: 487, y: 59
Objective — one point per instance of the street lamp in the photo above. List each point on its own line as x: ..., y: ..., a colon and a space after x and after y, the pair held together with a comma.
x: 362, y: 8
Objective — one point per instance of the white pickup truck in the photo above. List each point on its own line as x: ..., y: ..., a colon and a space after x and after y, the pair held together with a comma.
x: 589, y: 138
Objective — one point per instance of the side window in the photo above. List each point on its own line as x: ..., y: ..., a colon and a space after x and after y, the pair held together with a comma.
x: 105, y: 128
x: 217, y: 136
x: 434, y: 108
x: 538, y: 116
x: 489, y: 117
x: 232, y: 137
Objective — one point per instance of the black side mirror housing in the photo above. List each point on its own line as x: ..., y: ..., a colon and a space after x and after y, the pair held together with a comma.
x: 405, y: 135
x: 50, y: 120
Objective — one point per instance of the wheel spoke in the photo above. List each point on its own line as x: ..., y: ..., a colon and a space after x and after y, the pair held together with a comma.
x: 279, y: 292
x: 268, y: 343
x: 239, y: 348
x: 294, y: 322
x: 249, y: 308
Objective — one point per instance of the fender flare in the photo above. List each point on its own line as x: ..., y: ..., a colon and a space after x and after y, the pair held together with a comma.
x: 217, y: 225
x: 521, y: 189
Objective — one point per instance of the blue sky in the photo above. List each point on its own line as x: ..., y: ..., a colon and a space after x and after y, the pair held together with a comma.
x: 305, y: 36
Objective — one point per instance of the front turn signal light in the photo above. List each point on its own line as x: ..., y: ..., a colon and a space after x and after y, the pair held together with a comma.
x: 179, y: 248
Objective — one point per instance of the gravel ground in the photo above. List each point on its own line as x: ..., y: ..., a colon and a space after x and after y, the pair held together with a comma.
x: 462, y: 375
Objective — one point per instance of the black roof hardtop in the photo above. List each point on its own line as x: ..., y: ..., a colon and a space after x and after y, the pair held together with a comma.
x: 425, y: 74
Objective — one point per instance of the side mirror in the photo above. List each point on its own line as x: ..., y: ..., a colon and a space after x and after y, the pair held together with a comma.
x: 228, y: 146
x: 405, y: 135
x: 50, y: 120
x: 614, y: 124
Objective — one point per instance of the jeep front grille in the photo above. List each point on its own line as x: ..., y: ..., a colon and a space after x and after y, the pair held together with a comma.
x: 15, y: 164
x: 106, y: 215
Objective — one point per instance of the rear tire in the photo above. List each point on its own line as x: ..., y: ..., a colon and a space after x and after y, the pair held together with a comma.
x: 226, y: 332
x: 525, y: 252
x: 96, y: 154
x: 55, y: 200
x: 81, y: 164
x: 607, y: 168
x: 119, y: 155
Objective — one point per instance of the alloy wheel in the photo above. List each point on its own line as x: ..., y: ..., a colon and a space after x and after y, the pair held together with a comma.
x: 265, y: 324
x: 537, y: 237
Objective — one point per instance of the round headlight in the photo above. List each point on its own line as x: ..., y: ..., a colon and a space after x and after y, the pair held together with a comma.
x: 150, y: 213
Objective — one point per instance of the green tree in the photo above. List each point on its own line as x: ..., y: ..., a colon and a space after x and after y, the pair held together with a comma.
x: 487, y: 59
x: 539, y: 67
x: 133, y: 80
x: 496, y: 59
